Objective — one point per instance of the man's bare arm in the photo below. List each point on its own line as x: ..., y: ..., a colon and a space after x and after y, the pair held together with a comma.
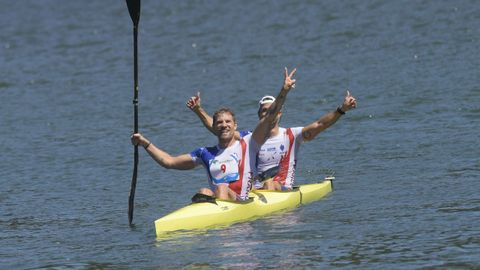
x: 181, y: 162
x: 261, y: 132
x: 194, y: 104
x: 312, y: 130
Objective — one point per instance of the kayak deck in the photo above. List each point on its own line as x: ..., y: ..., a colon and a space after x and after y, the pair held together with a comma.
x: 223, y: 213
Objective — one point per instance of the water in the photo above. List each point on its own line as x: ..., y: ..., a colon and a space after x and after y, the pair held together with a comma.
x: 406, y: 161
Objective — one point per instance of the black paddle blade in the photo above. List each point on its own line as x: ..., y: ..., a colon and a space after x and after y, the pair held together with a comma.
x: 131, y: 196
x: 134, y: 10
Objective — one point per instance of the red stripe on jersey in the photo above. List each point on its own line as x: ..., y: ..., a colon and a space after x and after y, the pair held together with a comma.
x: 285, y: 160
x: 237, y: 185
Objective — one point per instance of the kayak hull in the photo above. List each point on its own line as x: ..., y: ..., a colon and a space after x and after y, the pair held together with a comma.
x: 223, y: 213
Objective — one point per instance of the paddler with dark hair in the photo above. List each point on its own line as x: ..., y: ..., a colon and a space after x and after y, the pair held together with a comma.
x: 231, y: 163
x: 277, y: 158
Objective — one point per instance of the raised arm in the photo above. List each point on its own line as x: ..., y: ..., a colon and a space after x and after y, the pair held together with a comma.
x: 263, y: 127
x: 195, y: 104
x: 182, y: 162
x: 311, y: 131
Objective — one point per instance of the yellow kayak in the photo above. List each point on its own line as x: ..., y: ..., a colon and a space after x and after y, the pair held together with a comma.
x: 222, y: 213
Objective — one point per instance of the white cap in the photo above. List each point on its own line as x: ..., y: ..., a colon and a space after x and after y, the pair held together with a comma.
x: 266, y: 100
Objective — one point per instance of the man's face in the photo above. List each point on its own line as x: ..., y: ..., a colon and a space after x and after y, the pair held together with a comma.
x: 225, y: 126
x: 262, y: 113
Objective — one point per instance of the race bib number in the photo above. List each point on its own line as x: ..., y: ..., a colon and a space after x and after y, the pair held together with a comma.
x: 224, y: 170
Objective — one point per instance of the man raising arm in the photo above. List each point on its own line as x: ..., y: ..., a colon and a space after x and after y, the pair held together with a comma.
x: 278, y: 155
x: 230, y: 165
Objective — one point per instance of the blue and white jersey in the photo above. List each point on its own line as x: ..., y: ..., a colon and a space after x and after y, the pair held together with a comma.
x: 234, y: 165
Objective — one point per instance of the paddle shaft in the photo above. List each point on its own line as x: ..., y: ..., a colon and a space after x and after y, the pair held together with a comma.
x: 133, y: 185
x: 134, y: 10
x: 135, y: 79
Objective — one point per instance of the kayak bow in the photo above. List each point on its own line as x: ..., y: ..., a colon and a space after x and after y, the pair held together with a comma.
x: 223, y: 213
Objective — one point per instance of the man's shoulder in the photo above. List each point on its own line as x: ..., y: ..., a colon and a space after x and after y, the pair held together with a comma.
x: 244, y: 133
x: 205, y: 149
x: 295, y: 130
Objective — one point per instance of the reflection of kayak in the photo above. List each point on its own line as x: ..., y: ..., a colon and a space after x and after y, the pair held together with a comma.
x: 204, y: 215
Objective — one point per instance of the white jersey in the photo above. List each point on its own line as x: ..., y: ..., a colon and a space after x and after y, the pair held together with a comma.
x: 281, y: 150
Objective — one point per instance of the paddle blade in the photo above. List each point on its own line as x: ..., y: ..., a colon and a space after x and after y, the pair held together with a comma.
x: 134, y: 10
x: 131, y: 196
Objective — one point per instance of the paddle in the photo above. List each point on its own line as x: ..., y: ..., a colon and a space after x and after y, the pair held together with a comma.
x: 134, y: 10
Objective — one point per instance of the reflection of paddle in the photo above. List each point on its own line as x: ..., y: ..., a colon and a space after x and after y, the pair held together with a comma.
x: 134, y: 10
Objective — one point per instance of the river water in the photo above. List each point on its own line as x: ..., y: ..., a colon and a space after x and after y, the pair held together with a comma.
x: 406, y: 161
